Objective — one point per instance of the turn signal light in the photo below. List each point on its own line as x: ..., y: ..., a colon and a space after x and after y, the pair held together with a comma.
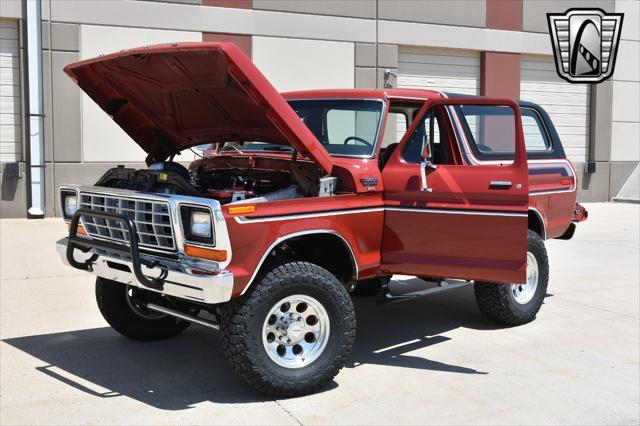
x: 80, y: 230
x: 205, y: 253
x: 242, y: 209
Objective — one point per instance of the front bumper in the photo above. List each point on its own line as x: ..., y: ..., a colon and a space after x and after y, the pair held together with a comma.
x: 185, y: 279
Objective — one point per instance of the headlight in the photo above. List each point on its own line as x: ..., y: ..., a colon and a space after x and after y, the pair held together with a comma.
x: 200, y: 224
x: 197, y: 224
x: 70, y: 205
x: 69, y: 202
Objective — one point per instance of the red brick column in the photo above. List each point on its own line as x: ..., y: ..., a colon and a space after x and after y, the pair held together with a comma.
x: 501, y: 71
x: 242, y: 40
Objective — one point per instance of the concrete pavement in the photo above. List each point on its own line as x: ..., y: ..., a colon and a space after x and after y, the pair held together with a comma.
x: 431, y: 361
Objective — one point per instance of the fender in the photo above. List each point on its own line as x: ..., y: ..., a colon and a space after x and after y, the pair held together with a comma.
x: 284, y: 238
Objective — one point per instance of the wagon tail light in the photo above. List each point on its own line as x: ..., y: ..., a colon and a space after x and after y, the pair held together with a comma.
x: 580, y: 214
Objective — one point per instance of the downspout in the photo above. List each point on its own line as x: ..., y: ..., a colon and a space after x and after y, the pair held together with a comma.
x: 35, y: 108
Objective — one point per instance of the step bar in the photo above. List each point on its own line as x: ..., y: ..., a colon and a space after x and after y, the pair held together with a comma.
x: 181, y: 315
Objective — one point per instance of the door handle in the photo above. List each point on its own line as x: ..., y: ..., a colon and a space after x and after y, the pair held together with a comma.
x: 500, y: 184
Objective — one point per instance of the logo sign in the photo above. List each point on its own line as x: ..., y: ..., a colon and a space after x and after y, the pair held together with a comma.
x: 585, y: 43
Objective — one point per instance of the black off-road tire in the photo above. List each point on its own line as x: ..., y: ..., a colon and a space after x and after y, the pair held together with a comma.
x: 496, y: 301
x: 242, y: 322
x: 371, y: 286
x: 118, y: 312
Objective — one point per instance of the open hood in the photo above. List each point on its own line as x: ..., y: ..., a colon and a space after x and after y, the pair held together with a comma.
x: 174, y: 96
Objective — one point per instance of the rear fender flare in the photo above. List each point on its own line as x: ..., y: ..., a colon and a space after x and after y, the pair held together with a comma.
x: 543, y: 225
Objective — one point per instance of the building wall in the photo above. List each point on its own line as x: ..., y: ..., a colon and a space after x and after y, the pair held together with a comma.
x: 102, y: 140
x: 625, y: 102
x: 296, y: 64
x: 303, y: 44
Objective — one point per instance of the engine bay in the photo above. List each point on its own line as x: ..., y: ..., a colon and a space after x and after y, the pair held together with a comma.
x: 227, y: 179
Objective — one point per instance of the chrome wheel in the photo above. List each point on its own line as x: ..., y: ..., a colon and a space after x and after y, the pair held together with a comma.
x: 523, y: 293
x: 295, y: 331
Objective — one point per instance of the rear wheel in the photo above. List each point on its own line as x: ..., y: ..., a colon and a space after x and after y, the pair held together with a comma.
x: 516, y: 304
x: 292, y: 333
x: 124, y: 309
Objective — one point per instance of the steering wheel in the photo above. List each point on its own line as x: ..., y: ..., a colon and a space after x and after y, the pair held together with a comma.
x: 357, y: 139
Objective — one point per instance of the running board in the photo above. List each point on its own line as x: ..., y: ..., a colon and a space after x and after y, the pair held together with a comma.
x: 183, y: 316
x: 388, y: 298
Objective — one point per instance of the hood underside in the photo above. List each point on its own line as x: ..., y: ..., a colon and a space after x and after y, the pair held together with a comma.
x: 170, y: 97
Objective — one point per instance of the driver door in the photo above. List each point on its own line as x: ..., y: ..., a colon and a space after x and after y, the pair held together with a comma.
x: 459, y: 220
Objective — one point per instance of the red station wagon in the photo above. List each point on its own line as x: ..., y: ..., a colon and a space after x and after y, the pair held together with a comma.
x: 304, y: 199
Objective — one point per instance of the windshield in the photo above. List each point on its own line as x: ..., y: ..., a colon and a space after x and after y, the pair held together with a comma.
x: 345, y: 127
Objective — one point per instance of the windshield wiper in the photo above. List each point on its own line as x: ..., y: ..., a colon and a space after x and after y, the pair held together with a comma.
x: 232, y: 146
x: 280, y: 148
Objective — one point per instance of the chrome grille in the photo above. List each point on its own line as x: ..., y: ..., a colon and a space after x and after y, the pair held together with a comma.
x: 152, y: 220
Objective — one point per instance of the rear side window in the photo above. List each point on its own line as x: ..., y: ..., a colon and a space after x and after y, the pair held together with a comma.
x: 535, y: 135
x: 491, y: 133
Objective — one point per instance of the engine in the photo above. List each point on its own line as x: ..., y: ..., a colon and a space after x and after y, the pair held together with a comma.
x: 227, y: 185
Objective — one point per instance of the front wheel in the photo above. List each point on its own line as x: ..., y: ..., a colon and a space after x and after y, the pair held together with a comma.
x: 516, y: 304
x: 124, y: 309
x: 292, y: 333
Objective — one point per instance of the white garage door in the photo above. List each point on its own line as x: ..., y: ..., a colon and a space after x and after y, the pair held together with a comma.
x: 10, y: 127
x: 445, y: 70
x: 566, y: 103
x: 439, y: 69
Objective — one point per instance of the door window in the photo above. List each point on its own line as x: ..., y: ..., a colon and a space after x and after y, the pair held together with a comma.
x: 490, y: 130
x: 429, y: 130
x: 395, y: 128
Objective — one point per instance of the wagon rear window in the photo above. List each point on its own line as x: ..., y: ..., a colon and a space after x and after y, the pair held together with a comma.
x: 535, y: 135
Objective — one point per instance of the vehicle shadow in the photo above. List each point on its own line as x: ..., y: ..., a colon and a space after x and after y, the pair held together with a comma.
x: 190, y: 369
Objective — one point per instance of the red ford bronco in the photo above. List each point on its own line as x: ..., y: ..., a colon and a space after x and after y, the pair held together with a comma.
x: 303, y: 199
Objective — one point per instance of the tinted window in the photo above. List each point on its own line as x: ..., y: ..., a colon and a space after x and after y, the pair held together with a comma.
x: 344, y: 127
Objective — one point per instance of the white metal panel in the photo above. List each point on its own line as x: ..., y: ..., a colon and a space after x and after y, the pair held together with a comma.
x: 439, y: 69
x: 567, y: 104
x: 102, y: 139
x: 10, y: 122
x: 296, y: 64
